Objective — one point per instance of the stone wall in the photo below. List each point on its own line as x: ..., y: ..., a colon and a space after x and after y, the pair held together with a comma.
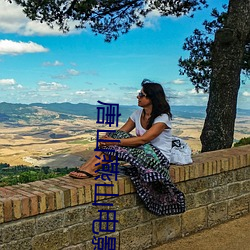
x: 58, y: 213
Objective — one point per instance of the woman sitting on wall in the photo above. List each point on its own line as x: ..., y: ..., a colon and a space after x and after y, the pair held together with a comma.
x: 148, y: 152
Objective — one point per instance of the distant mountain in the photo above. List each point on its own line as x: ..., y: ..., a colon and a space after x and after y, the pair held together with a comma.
x: 3, y: 118
x: 199, y: 111
x: 190, y: 112
x: 41, y: 112
x: 244, y: 112
x: 83, y: 109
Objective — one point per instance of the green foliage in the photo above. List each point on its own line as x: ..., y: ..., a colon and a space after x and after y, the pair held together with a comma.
x: 3, y: 165
x: 242, y: 142
x: 23, y: 174
x: 198, y: 66
x: 109, y: 17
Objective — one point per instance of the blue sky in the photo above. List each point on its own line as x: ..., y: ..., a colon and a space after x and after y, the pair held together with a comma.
x: 38, y: 64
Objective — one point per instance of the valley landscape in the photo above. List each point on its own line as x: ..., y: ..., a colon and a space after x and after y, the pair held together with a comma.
x: 63, y: 135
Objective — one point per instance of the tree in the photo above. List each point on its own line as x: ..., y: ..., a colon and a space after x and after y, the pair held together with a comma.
x: 198, y: 65
x: 219, y: 126
x: 113, y: 17
x: 227, y: 57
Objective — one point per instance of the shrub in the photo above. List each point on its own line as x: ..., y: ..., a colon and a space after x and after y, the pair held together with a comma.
x: 242, y: 142
x: 22, y: 174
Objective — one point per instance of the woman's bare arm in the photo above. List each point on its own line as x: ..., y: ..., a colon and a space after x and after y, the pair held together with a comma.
x: 128, y: 126
x: 135, y: 141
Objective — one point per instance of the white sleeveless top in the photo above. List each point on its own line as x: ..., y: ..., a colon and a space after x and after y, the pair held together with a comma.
x: 163, y: 141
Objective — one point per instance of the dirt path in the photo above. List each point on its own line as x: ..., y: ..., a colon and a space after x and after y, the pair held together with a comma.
x: 233, y: 235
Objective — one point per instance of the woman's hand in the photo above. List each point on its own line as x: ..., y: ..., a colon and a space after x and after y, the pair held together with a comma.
x: 111, y: 141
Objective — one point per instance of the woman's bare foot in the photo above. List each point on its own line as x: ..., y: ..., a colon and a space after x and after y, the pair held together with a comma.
x: 82, y: 174
x: 89, y: 169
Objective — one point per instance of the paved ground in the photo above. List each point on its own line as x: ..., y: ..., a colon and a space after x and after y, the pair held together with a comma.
x: 233, y: 235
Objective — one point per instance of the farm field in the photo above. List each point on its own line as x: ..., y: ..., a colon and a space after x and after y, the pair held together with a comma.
x: 62, y: 143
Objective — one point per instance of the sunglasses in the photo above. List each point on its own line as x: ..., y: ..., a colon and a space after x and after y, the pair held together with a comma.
x: 140, y: 94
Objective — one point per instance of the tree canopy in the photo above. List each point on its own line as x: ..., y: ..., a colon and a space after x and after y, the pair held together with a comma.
x: 109, y: 17
x: 198, y: 66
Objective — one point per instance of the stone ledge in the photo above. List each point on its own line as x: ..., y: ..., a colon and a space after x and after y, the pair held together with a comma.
x: 39, y: 197
x: 211, y: 163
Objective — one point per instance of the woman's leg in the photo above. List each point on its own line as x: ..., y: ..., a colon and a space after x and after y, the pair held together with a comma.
x: 91, y: 161
x: 90, y: 166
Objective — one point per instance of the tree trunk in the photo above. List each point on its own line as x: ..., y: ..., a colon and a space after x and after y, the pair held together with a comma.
x: 227, y: 56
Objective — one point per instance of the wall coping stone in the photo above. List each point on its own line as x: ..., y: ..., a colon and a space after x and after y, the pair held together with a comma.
x: 39, y: 197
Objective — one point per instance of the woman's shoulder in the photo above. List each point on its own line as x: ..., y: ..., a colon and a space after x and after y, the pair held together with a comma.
x: 163, y: 116
x: 137, y: 112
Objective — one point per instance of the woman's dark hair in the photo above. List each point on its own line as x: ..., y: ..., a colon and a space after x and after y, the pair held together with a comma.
x: 156, y: 94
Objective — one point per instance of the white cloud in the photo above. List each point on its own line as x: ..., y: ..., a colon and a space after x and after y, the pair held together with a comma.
x: 152, y: 19
x: 10, y: 84
x: 73, y: 72
x: 15, y: 48
x: 127, y: 88
x: 70, y: 72
x: 11, y: 17
x: 180, y: 93
x: 51, y: 86
x: 178, y: 81
x: 246, y: 93
x: 90, y: 95
x: 19, y: 86
x: 187, y: 97
x: 153, y: 14
x: 55, y: 63
x: 80, y: 92
x: 39, y: 29
x: 100, y: 89
x: 13, y: 20
x: 7, y: 82
x: 42, y: 29
x: 192, y: 92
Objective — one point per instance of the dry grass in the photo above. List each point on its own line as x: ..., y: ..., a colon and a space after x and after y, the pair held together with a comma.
x: 29, y: 145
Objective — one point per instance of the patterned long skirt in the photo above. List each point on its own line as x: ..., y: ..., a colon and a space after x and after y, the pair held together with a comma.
x: 149, y: 173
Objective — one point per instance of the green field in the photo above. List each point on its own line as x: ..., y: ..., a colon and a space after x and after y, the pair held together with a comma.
x: 24, y: 174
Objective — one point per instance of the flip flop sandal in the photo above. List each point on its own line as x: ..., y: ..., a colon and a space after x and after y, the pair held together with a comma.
x: 87, y: 175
